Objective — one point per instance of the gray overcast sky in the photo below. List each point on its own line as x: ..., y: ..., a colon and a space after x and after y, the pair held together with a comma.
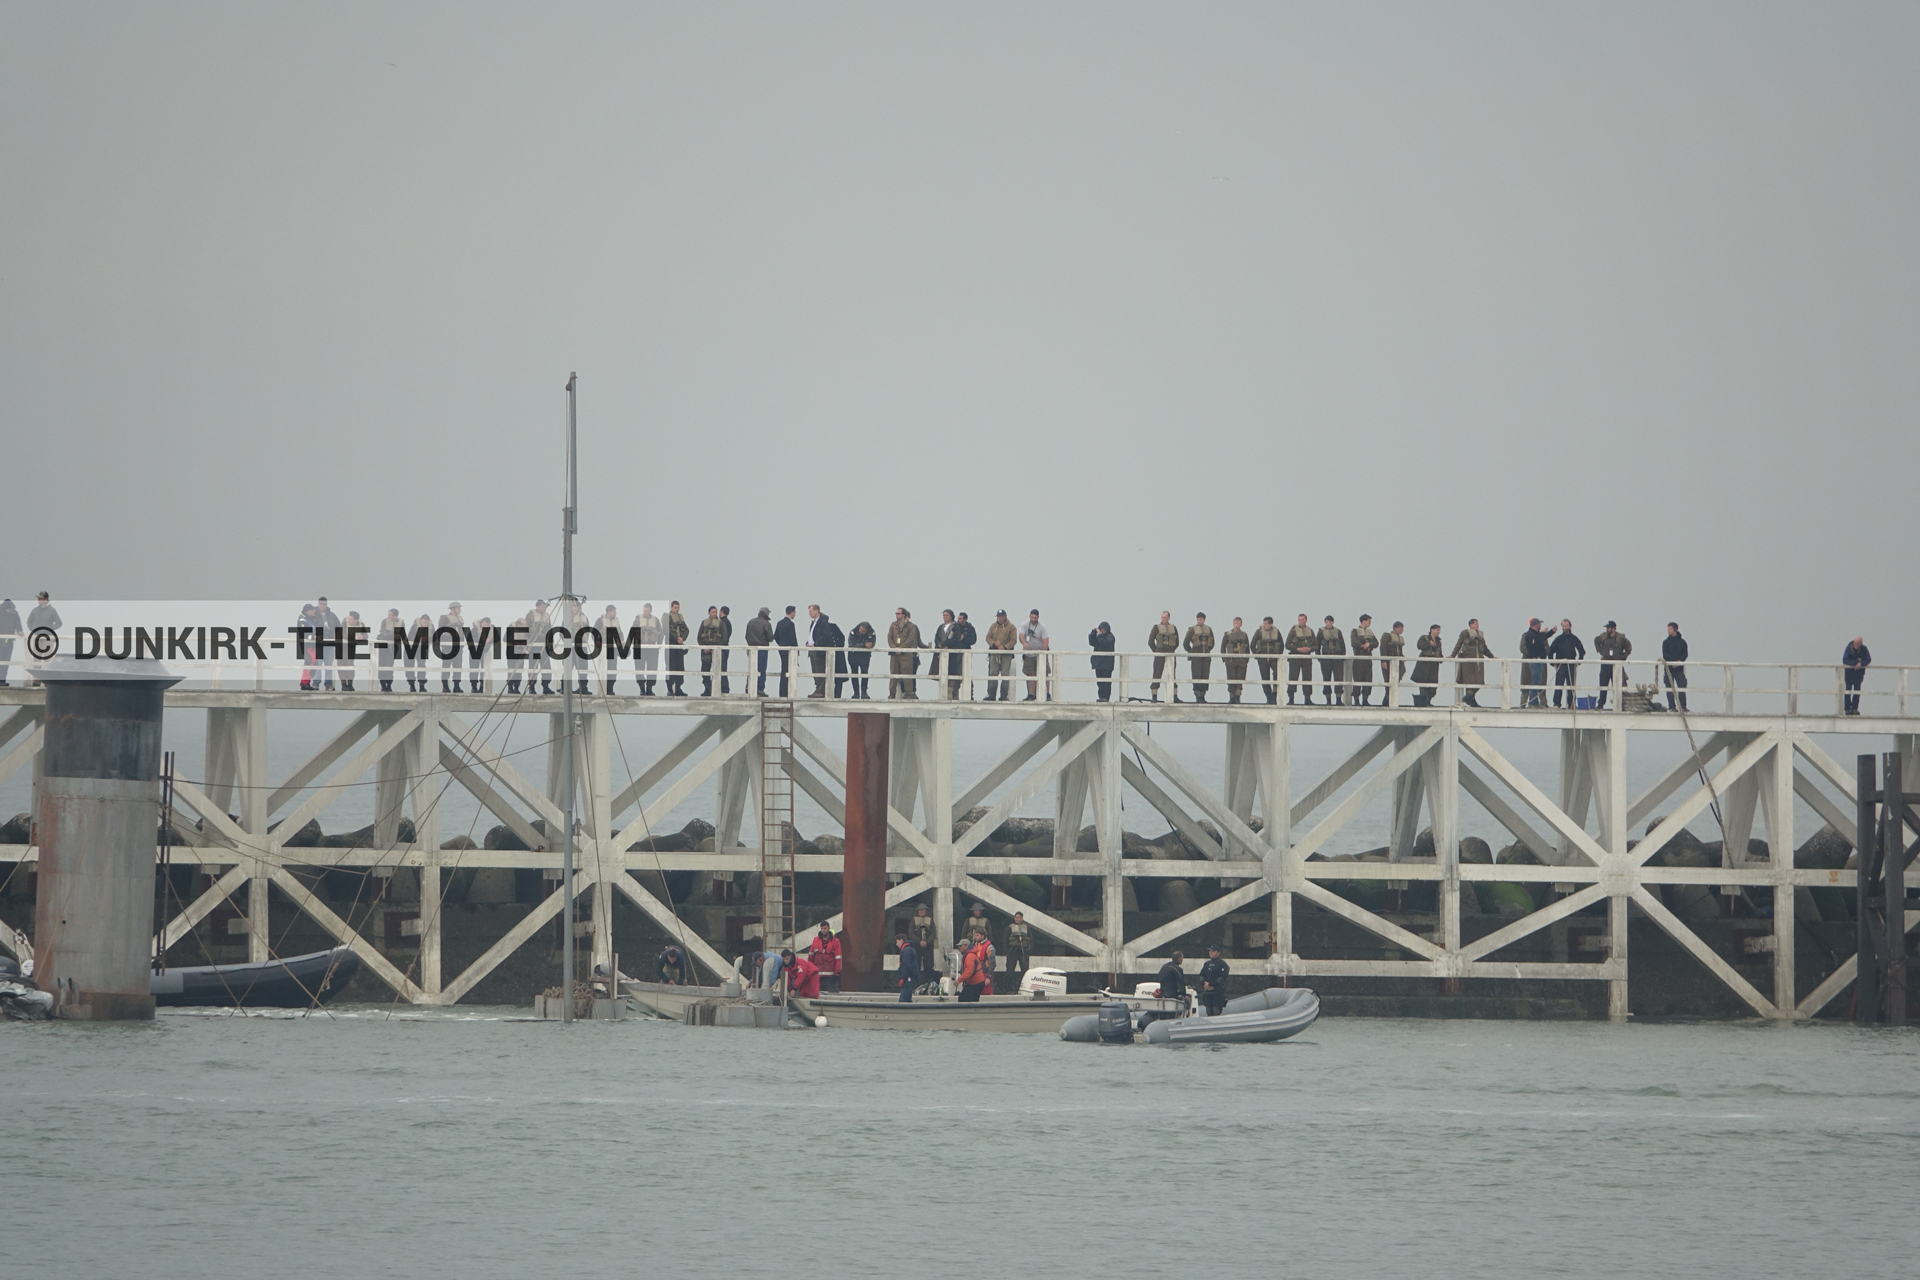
x: 1424, y: 310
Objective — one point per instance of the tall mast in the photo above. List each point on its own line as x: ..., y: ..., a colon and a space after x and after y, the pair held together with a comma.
x: 567, y: 527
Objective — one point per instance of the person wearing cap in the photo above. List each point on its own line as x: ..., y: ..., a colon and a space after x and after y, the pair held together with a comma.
x: 1360, y: 670
x: 1234, y: 646
x: 1611, y: 646
x: 1001, y: 637
x: 1566, y: 651
x: 977, y: 922
x: 860, y: 658
x: 1101, y: 641
x: 1162, y: 640
x: 1333, y: 669
x: 1036, y: 642
x: 1471, y: 674
x: 1855, y: 658
x: 1534, y: 648
x: 670, y: 966
x: 1213, y: 982
x: 452, y: 620
x: 1673, y: 665
x: 976, y: 970
x: 825, y: 953
x: 908, y: 975
x: 1199, y: 646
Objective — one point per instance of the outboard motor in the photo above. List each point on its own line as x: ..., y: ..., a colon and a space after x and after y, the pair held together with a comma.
x: 1115, y: 1023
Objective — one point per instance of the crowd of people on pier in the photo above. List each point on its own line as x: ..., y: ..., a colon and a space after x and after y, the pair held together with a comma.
x: 1347, y: 664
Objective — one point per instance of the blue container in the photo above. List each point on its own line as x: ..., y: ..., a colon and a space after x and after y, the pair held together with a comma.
x: 1583, y: 704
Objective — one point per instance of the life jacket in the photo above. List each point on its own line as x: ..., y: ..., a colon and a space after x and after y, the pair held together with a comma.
x: 975, y: 969
x: 826, y: 954
x: 803, y: 978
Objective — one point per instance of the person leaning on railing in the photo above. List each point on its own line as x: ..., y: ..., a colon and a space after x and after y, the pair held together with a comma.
x: 1856, y: 658
x: 860, y: 657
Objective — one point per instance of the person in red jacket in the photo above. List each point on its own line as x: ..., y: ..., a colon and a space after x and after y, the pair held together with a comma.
x: 803, y: 976
x: 825, y: 952
x: 976, y: 972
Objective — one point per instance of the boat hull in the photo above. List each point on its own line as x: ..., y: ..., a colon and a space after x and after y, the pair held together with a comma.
x: 665, y: 1000
x: 1013, y: 1014
x: 293, y: 982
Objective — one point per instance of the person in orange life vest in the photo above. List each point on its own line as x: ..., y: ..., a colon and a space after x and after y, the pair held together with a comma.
x: 975, y: 977
x: 803, y: 976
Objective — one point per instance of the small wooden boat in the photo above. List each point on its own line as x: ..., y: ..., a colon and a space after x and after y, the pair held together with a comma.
x: 293, y: 982
x: 670, y: 1000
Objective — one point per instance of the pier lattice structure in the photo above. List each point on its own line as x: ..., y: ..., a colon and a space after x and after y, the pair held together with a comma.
x: 1750, y: 762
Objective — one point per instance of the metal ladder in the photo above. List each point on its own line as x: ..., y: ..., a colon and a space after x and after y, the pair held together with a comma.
x: 776, y: 825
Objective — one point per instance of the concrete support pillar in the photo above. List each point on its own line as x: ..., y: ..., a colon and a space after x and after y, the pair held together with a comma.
x: 98, y: 817
x: 604, y: 862
x: 1283, y: 869
x: 935, y: 741
x: 864, y: 868
x: 422, y: 753
x: 1614, y: 835
x: 255, y: 812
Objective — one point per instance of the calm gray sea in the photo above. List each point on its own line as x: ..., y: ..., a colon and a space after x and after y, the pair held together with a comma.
x: 465, y: 1144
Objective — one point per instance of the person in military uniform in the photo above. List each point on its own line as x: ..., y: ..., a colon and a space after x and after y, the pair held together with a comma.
x: 1426, y: 672
x: 1000, y: 641
x: 1333, y: 670
x: 1199, y: 640
x: 1471, y: 674
x: 538, y: 624
x: 1232, y: 643
x: 646, y: 663
x: 713, y: 633
x: 902, y: 636
x: 1393, y: 671
x: 924, y: 934
x: 1019, y: 943
x: 677, y: 633
x: 1161, y: 641
x: 1302, y: 644
x: 1611, y: 646
x: 977, y: 922
x: 1365, y: 644
x: 1268, y: 643
x: 1213, y: 982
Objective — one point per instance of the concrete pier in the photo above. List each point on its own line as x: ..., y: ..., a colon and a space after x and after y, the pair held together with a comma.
x: 98, y: 816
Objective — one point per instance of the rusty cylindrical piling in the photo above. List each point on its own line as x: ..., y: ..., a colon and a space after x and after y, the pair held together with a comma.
x: 864, y: 890
x: 99, y: 818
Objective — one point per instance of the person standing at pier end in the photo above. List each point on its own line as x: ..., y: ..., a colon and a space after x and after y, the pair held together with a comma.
x: 860, y: 657
x: 826, y: 955
x: 1365, y: 643
x: 759, y: 637
x: 384, y: 644
x: 538, y: 624
x: 1393, y: 667
x: 787, y: 637
x: 1333, y: 670
x: 1426, y: 672
x: 1213, y: 982
x: 9, y: 628
x: 942, y: 637
x: 1101, y: 641
x: 903, y: 638
x: 960, y: 641
x: 1302, y: 644
x: 1856, y: 658
x: 712, y: 635
x: 1162, y: 640
x: 1611, y: 646
x: 1471, y: 674
x: 1233, y: 646
x: 1673, y: 664
x: 1566, y: 651
x: 834, y: 640
x: 1036, y: 642
x: 926, y: 934
x: 1001, y: 637
x: 646, y: 663
x: 1199, y: 646
x: 452, y: 621
x: 677, y: 633
x: 1268, y: 644
x: 908, y: 975
x: 816, y: 653
x: 1534, y: 646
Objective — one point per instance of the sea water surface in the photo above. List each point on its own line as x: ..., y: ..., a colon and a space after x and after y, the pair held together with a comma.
x: 463, y: 1143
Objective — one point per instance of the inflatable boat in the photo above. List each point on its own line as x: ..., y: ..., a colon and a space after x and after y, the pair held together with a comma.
x: 296, y: 982
x: 1272, y: 1014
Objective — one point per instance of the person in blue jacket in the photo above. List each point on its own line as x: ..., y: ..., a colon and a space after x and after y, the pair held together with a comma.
x: 1856, y: 658
x: 909, y: 968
